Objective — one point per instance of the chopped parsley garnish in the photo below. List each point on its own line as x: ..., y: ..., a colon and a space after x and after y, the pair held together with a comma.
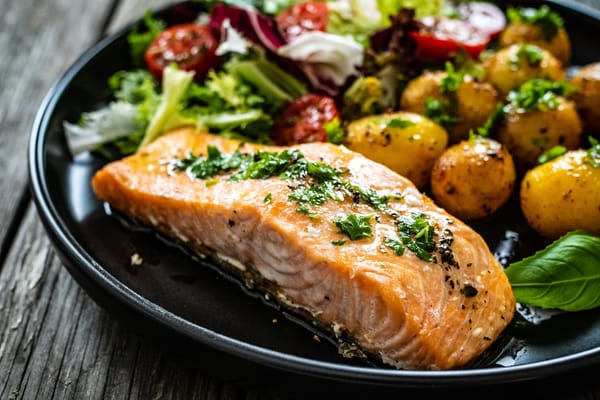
x: 551, y: 154
x: 439, y: 111
x: 354, y: 226
x: 335, y: 132
x: 395, y: 245
x: 453, y: 79
x: 491, y: 123
x: 530, y: 53
x: 399, y: 123
x: 304, y: 209
x: 213, y: 164
x: 417, y: 234
x: 593, y: 154
x: 537, y: 94
x: 268, y: 198
x: 338, y: 242
x: 547, y: 20
x: 318, y: 181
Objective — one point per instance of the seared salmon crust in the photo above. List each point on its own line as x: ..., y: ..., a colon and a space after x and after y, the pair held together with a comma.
x: 436, y: 311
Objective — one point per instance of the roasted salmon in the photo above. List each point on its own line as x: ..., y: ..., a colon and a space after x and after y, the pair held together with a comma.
x: 328, y: 233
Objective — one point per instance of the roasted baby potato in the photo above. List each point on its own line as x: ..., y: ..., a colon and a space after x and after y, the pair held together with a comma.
x: 563, y: 195
x: 587, y: 97
x: 514, y: 65
x: 406, y: 142
x: 528, y: 134
x: 474, y: 178
x: 521, y: 32
x: 470, y: 105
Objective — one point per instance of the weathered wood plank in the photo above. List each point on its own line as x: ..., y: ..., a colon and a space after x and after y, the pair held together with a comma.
x: 38, y: 40
x: 56, y: 343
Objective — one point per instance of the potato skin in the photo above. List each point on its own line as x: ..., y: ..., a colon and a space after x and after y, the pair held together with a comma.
x: 587, y: 97
x: 521, y: 32
x: 504, y: 73
x: 474, y: 178
x: 475, y: 101
x: 528, y: 134
x: 562, y: 195
x: 410, y: 151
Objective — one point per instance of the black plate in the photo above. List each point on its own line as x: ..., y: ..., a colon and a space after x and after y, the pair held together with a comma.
x: 188, y: 299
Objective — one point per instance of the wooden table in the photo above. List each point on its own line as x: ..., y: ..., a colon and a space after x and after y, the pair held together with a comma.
x: 55, y: 342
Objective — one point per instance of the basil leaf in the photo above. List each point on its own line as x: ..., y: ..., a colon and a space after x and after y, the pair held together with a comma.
x: 565, y: 275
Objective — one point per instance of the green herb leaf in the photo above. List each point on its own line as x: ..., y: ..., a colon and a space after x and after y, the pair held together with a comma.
x: 565, y: 275
x: 453, y: 79
x: 395, y: 245
x: 487, y: 129
x: 417, y: 235
x: 530, y: 53
x: 551, y: 154
x: 593, y: 154
x: 399, y: 123
x: 537, y: 94
x: 439, y: 111
x: 354, y: 226
x: 549, y: 21
x: 335, y: 132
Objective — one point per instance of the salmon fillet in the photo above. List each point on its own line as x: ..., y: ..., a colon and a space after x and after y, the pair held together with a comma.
x: 385, y: 298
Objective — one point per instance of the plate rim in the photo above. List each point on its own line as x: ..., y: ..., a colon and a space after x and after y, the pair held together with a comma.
x: 77, y: 260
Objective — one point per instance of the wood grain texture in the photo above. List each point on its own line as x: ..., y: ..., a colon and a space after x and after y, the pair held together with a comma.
x: 38, y: 41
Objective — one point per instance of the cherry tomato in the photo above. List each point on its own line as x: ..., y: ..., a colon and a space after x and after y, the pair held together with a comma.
x: 302, y: 17
x: 440, y: 37
x: 303, y: 120
x: 191, y: 46
x: 486, y: 17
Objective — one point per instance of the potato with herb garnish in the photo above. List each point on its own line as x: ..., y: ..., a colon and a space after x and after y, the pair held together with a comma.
x: 563, y: 194
x: 542, y: 27
x: 457, y: 101
x: 587, y: 97
x: 406, y: 142
x: 514, y: 65
x: 538, y: 117
x: 474, y: 178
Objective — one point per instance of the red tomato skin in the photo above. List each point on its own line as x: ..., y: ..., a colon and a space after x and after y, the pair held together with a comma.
x: 191, y: 46
x: 435, y: 49
x: 302, y: 17
x: 303, y: 120
x: 439, y: 37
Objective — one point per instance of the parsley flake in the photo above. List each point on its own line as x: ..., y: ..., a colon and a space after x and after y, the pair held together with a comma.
x: 593, y: 154
x: 354, y: 226
x: 551, y: 154
x: 395, y: 245
x: 537, y: 94
x: 528, y: 52
x: 417, y: 234
x: 399, y: 123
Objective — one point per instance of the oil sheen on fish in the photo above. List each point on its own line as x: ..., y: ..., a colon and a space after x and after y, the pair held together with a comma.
x: 328, y: 233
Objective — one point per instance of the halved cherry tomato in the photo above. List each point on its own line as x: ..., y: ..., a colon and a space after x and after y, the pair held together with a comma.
x: 191, y: 46
x: 486, y: 17
x: 303, y: 120
x: 302, y: 17
x: 440, y: 37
